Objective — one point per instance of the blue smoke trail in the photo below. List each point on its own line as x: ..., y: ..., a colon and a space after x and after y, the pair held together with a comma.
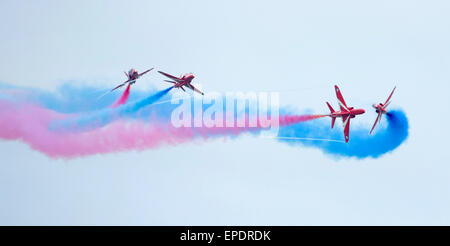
x: 83, y: 98
x: 361, y: 144
x: 103, y: 117
x: 69, y: 98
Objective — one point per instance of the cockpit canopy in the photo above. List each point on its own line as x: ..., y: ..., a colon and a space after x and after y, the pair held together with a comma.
x: 132, y: 71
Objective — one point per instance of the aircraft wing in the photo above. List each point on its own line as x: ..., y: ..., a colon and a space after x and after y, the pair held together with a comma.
x: 170, y: 76
x: 124, y: 83
x: 196, y: 90
x: 376, y: 121
x: 344, y: 118
x: 145, y: 72
x: 389, y: 98
x: 347, y: 129
x: 117, y: 87
x: 341, y: 100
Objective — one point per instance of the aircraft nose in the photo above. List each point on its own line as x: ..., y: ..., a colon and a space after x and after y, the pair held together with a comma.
x: 363, y: 111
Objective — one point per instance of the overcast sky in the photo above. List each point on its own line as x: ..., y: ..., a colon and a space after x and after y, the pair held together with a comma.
x: 299, y: 48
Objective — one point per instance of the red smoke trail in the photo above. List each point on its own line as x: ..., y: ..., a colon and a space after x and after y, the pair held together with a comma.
x: 123, y: 99
x: 286, y: 120
x: 30, y: 123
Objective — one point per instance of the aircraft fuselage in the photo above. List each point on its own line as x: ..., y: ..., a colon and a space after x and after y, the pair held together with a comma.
x: 379, y: 108
x: 352, y: 113
x: 186, y: 80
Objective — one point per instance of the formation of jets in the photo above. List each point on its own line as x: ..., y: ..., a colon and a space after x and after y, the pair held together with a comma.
x: 178, y: 82
x: 345, y: 112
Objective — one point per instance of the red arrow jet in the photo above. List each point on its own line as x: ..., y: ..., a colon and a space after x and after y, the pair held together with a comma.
x: 183, y: 80
x: 346, y: 113
x: 132, y: 76
x: 381, y: 109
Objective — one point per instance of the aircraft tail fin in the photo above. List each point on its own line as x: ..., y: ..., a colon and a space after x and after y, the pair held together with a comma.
x: 333, y: 119
x: 331, y: 108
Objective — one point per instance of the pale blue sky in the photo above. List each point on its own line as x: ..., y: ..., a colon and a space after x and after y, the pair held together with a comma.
x: 297, y: 46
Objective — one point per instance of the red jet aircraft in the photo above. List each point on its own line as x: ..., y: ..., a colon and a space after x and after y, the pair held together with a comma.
x: 346, y: 113
x: 183, y: 80
x: 381, y: 109
x: 132, y: 76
